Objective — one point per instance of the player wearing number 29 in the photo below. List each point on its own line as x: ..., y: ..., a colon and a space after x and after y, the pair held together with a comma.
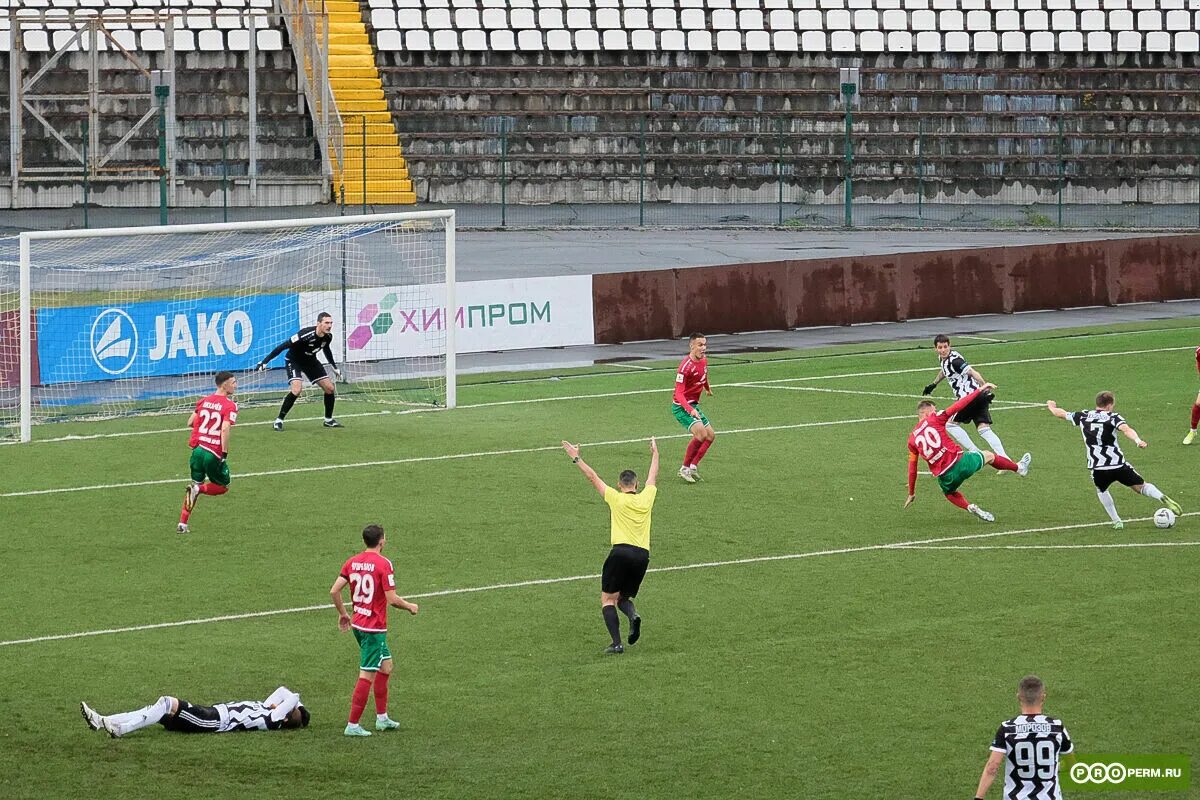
x: 210, y: 424
x: 946, y: 460
x: 372, y: 585
x: 1029, y: 746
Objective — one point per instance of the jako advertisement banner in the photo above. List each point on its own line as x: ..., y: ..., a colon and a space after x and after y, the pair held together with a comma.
x: 137, y: 340
x: 410, y: 321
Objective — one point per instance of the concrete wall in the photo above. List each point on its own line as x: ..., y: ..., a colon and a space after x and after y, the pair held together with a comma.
x: 794, y: 294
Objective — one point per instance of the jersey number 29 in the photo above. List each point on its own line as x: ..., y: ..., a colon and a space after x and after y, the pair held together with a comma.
x: 362, y: 588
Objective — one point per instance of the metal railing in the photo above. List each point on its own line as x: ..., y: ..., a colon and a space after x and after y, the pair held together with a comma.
x: 307, y: 25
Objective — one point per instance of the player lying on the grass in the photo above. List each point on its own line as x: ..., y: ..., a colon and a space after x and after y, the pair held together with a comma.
x: 690, y: 379
x: 210, y: 424
x: 1104, y: 456
x: 946, y: 460
x: 301, y: 362
x: 965, y: 379
x: 282, y: 709
x: 1191, y: 435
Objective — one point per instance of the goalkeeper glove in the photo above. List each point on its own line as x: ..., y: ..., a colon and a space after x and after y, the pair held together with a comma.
x: 260, y: 366
x: 929, y: 389
x: 337, y: 373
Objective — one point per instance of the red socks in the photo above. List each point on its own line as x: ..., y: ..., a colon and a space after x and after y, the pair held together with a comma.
x: 358, y: 700
x: 958, y: 499
x: 1195, y: 415
x: 1001, y: 462
x: 702, y: 449
x: 213, y: 489
x: 381, y: 692
x: 689, y: 456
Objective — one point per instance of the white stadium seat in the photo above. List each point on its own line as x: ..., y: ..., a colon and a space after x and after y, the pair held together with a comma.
x: 475, y: 40
x: 445, y: 41
x: 211, y: 41
x: 521, y: 19
x: 1099, y: 42
x: 950, y: 21
x: 529, y: 40
x: 503, y: 40
x: 1070, y: 42
x: 390, y: 40
x: 1063, y: 20
x: 899, y: 42
x: 270, y: 39
x: 924, y: 20
x: 750, y: 20
x: 1013, y: 42
x: 929, y: 42
x: 153, y: 40
x: 409, y: 19
x: 729, y: 41
x: 1037, y: 20
x: 587, y: 40
x: 608, y: 18
x: 979, y: 21
x: 383, y: 18
x: 664, y: 19
x: 958, y: 42
x: 692, y: 19
x: 1149, y: 20
x: 466, y: 18
x: 758, y: 41
x: 700, y: 40
x: 813, y: 42
x: 417, y: 41
x: 1093, y: 21
x: 842, y: 42
x: 642, y: 40
x: 985, y: 41
x: 1179, y: 21
x: 865, y: 20
x: 238, y: 40
x: 616, y: 40
x: 872, y: 41
x: 672, y: 40
x: 1120, y: 20
x: 1008, y: 20
x: 579, y: 19
x: 1187, y: 42
x: 1129, y: 42
x: 786, y: 41
x: 636, y: 19
x: 724, y: 20
x: 1158, y: 42
x: 895, y: 20
x: 838, y: 20
x: 1042, y: 42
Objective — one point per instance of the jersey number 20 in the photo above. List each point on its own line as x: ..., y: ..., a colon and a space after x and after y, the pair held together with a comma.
x: 929, y: 441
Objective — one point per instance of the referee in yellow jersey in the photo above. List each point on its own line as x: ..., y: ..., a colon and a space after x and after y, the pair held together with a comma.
x: 630, y: 555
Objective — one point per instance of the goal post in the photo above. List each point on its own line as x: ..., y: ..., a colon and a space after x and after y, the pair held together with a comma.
x: 127, y: 321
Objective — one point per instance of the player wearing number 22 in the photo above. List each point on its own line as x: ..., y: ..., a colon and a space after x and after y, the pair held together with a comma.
x: 210, y: 424
x: 947, y: 461
x: 372, y: 585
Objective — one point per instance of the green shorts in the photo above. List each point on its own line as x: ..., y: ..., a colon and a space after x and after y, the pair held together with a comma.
x: 373, y: 650
x: 966, y: 466
x: 686, y: 419
x: 206, y: 465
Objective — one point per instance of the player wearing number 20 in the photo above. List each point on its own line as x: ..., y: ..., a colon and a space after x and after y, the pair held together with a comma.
x: 210, y: 424
x: 947, y: 461
x: 372, y: 585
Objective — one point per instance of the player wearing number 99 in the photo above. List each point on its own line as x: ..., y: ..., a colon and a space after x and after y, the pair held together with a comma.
x: 1029, y: 745
x: 372, y: 585
x: 947, y: 461
x: 210, y: 424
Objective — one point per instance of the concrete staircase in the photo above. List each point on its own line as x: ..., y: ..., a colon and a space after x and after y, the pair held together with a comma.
x: 373, y: 169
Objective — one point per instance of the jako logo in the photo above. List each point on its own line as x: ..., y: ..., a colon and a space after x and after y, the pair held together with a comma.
x: 114, y: 341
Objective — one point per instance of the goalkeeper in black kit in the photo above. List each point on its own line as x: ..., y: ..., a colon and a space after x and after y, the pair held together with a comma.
x: 301, y: 362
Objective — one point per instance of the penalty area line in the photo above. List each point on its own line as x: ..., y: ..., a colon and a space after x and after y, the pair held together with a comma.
x: 1113, y: 545
x: 909, y: 545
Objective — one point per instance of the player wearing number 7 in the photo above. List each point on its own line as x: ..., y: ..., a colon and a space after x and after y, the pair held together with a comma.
x: 372, y: 589
x: 947, y: 461
x: 210, y: 424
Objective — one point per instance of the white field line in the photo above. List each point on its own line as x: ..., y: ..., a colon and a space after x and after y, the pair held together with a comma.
x: 981, y: 338
x: 629, y: 366
x: 909, y: 545
x: 751, y: 385
x: 662, y: 390
x: 453, y: 456
x: 1047, y: 546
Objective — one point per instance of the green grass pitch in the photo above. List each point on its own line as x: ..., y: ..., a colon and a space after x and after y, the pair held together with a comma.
x: 820, y: 663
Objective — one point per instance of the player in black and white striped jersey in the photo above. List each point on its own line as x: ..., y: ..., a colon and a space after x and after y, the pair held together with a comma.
x: 282, y: 709
x: 964, y: 379
x: 1029, y: 746
x: 1104, y: 456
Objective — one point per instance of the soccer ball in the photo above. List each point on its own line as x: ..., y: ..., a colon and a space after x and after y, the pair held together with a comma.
x: 1164, y: 518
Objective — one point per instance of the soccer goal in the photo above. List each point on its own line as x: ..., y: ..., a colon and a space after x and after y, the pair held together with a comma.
x: 124, y: 321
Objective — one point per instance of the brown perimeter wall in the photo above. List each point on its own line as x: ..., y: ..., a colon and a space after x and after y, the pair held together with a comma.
x: 776, y: 295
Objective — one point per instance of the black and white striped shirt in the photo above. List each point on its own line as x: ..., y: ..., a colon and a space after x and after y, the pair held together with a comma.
x: 1099, y: 429
x: 251, y: 715
x: 956, y: 369
x: 1032, y: 744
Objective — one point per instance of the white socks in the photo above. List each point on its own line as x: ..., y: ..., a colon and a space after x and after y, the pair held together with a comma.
x: 142, y: 718
x: 991, y: 438
x: 962, y: 438
x: 1109, y: 506
x: 1151, y: 491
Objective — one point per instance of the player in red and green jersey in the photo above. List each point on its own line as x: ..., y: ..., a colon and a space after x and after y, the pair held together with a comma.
x: 372, y: 583
x: 947, y: 461
x: 1191, y: 436
x: 210, y: 424
x: 690, y: 379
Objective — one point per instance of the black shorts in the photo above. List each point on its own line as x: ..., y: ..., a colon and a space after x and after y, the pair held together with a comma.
x: 307, y: 368
x: 193, y: 719
x: 624, y: 569
x: 1125, y: 475
x: 978, y: 412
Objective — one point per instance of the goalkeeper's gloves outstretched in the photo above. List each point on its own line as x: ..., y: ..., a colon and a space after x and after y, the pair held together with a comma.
x: 929, y: 389
x: 260, y: 366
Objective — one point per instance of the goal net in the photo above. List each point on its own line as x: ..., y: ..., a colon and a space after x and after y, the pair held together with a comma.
x: 124, y: 321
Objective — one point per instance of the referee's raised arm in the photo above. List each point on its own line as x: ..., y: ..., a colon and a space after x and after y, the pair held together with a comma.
x: 652, y: 474
x: 573, y: 452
